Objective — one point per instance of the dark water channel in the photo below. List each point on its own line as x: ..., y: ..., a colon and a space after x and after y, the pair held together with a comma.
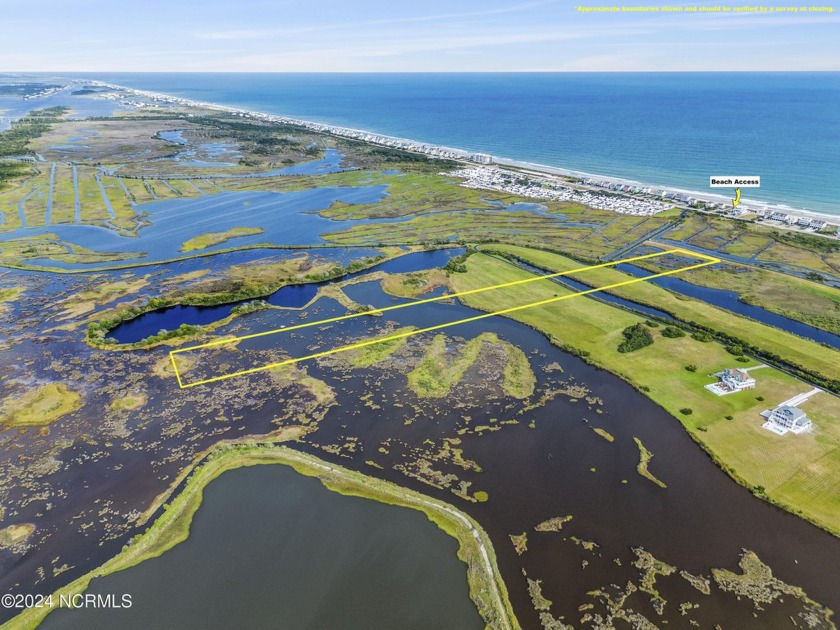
x: 270, y: 548
x: 731, y: 301
x: 602, y: 296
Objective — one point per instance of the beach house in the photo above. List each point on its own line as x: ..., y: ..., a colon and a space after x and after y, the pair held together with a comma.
x: 787, y: 418
x: 736, y: 379
x: 730, y: 381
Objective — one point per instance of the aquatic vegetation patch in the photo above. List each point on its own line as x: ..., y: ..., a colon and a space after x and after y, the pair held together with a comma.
x: 40, y: 406
x: 520, y: 542
x: 650, y: 568
x: 699, y: 582
x: 550, y: 623
x: 553, y: 524
x: 129, y: 402
x: 10, y: 294
x: 539, y: 601
x: 757, y: 583
x: 644, y: 460
x: 163, y: 367
x: 14, y: 537
x: 589, y: 545
x: 287, y: 375
x: 435, y: 376
x: 604, y: 434
x: 89, y: 298
x: 211, y: 239
x: 375, y: 353
x: 519, y: 379
x: 615, y: 609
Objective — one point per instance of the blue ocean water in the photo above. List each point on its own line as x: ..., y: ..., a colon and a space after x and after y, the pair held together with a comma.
x: 667, y: 129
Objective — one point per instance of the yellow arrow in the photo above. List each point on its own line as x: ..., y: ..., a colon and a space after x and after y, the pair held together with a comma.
x: 737, y: 200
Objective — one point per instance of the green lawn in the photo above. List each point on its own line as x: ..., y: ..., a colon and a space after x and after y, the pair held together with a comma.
x: 756, y: 456
x: 795, y: 349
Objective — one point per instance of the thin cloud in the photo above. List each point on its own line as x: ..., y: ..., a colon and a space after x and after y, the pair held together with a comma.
x: 266, y: 33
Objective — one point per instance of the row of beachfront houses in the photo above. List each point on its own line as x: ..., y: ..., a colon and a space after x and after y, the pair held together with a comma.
x: 805, y: 223
x: 786, y: 418
x: 517, y: 183
x: 659, y: 193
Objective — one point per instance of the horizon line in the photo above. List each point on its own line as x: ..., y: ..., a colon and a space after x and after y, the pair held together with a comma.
x: 384, y: 72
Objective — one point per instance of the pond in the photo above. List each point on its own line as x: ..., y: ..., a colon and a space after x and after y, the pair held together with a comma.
x: 270, y: 548
x: 289, y: 296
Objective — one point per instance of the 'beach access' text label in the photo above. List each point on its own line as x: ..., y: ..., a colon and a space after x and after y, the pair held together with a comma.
x: 735, y: 181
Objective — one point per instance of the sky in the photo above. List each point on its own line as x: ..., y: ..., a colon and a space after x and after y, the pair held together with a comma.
x: 405, y: 36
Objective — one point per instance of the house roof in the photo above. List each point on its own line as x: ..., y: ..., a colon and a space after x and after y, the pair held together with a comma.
x: 741, y: 375
x: 793, y: 414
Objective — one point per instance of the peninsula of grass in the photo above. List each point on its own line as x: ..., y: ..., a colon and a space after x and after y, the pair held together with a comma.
x: 414, y: 284
x: 40, y: 406
x: 644, y: 461
x: 487, y: 590
x: 212, y: 239
x: 435, y: 376
x: 378, y: 352
x: 16, y: 251
x: 757, y: 583
x: 799, y: 475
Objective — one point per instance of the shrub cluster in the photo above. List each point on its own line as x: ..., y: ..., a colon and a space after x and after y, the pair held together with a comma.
x: 458, y: 264
x: 635, y: 338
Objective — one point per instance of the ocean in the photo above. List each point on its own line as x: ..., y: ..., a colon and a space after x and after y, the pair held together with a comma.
x: 665, y: 129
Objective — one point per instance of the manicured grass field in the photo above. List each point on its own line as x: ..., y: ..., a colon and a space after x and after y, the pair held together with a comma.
x: 793, y: 348
x: 754, y: 455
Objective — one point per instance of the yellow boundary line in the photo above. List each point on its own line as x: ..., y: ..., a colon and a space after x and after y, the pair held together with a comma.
x: 710, y: 260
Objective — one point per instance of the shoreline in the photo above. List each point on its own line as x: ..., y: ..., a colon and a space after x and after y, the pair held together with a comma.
x: 751, y: 203
x: 445, y: 152
x: 487, y: 589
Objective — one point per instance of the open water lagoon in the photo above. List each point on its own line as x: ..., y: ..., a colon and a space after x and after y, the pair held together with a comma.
x: 270, y: 548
